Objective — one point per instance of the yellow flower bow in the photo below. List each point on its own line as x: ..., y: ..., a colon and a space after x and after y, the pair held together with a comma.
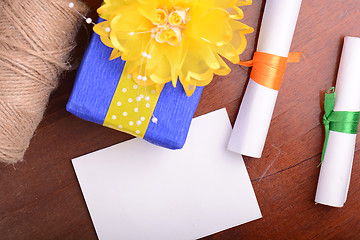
x: 163, y: 40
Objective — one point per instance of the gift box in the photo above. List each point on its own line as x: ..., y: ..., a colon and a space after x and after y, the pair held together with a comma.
x: 171, y: 51
x: 104, y: 95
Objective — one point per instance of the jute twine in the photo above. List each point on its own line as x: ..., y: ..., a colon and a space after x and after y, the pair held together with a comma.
x: 36, y: 38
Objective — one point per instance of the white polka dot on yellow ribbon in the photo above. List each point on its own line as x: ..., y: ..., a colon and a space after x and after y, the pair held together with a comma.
x: 131, y: 108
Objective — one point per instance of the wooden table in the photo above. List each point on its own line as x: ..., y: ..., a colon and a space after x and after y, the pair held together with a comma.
x: 40, y: 197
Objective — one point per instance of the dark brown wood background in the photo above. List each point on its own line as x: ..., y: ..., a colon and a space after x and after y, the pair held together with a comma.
x: 40, y: 197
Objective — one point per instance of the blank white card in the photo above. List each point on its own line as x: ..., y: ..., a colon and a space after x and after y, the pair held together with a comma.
x: 135, y: 190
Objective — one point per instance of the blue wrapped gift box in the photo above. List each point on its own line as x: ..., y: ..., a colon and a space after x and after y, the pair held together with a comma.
x: 96, y: 83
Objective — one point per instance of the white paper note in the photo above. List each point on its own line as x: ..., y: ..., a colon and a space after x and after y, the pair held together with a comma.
x: 135, y: 190
x: 256, y: 109
x: 334, y: 178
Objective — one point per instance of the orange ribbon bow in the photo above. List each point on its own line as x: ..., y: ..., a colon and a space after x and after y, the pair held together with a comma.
x: 268, y: 69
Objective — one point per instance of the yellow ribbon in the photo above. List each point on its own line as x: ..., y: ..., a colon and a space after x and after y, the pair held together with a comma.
x: 132, y: 106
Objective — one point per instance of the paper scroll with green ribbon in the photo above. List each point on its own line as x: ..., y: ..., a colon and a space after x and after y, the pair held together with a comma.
x: 338, y: 121
x: 341, y: 122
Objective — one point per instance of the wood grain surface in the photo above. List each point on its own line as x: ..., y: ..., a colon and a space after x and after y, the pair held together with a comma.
x: 40, y: 197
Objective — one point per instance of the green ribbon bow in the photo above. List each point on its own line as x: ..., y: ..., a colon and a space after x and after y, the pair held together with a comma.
x: 338, y: 121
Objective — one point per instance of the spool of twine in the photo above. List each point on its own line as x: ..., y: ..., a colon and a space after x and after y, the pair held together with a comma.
x: 36, y: 38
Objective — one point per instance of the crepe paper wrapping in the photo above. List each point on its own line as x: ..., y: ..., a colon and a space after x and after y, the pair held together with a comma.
x: 256, y: 109
x: 338, y: 121
x: 167, y: 40
x: 335, y: 171
x: 268, y: 69
x: 99, y: 87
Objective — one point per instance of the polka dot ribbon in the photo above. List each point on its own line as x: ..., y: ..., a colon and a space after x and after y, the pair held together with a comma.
x: 131, y: 109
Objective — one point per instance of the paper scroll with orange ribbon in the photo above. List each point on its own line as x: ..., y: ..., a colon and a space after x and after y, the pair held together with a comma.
x: 269, y: 64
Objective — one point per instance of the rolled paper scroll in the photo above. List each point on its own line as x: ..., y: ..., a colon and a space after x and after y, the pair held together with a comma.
x: 334, y: 178
x: 254, y: 117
